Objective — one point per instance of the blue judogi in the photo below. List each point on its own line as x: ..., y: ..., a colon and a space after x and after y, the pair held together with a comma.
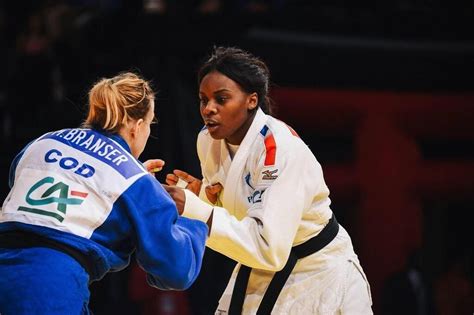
x: 83, y: 188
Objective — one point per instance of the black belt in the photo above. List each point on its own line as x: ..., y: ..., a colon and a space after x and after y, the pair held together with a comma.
x: 327, y: 234
x: 24, y: 239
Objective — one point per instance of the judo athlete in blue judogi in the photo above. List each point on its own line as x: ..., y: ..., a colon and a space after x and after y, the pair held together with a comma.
x: 81, y: 203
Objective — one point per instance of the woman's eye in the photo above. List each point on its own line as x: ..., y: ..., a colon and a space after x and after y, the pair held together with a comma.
x: 221, y: 99
x: 202, y: 102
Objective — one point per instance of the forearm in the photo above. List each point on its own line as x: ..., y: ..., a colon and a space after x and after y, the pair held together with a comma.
x: 251, y: 241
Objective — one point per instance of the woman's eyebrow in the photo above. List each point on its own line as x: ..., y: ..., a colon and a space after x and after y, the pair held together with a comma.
x: 222, y: 90
x: 201, y: 93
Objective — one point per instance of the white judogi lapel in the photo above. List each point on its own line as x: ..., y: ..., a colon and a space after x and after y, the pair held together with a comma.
x: 235, y: 172
x: 217, y: 162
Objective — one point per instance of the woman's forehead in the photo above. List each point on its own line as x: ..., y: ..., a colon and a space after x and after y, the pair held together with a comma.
x: 216, y: 81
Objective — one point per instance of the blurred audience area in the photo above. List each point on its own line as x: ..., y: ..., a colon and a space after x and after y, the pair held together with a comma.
x: 382, y: 92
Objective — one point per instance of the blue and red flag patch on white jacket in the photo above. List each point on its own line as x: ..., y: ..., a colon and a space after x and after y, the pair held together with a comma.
x: 270, y: 146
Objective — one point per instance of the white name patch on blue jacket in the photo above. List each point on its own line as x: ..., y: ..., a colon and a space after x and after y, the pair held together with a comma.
x: 62, y: 181
x: 99, y: 147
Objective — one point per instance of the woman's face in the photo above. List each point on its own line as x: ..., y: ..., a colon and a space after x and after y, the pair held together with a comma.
x: 225, y: 107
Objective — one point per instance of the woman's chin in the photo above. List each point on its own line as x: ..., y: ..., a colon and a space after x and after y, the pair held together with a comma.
x: 215, y: 134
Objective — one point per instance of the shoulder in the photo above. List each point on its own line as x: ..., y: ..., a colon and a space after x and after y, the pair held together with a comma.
x: 31, y: 146
x: 276, y: 135
x: 155, y: 194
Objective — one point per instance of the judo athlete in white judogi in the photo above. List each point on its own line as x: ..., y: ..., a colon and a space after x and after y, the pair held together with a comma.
x: 273, y: 213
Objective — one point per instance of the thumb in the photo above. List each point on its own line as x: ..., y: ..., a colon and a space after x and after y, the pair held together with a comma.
x: 212, y: 191
x: 154, y: 165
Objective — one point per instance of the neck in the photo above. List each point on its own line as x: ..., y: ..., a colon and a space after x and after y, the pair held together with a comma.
x: 239, y: 135
x: 127, y: 136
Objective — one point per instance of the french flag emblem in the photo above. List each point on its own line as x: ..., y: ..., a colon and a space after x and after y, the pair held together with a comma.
x: 270, y: 146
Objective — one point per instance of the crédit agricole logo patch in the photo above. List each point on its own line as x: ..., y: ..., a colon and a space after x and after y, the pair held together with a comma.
x: 54, y: 193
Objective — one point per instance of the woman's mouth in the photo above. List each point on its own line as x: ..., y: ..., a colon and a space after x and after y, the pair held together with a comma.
x: 212, y: 126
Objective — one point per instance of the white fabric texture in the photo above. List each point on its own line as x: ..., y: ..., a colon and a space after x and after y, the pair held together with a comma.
x: 274, y: 197
x: 195, y: 208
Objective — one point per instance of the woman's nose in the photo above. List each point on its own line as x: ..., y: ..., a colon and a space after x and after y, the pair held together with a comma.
x: 209, y: 109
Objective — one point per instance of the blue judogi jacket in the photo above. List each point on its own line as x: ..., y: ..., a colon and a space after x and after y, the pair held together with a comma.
x: 83, y: 188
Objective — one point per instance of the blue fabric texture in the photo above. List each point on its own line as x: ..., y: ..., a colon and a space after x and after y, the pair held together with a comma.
x: 143, y: 219
x: 41, y: 281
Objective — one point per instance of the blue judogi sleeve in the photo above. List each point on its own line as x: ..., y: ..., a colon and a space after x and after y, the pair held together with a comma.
x: 168, y: 247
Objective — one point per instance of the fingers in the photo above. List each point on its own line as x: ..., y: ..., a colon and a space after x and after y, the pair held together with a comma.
x: 171, y: 190
x: 214, y: 189
x: 179, y: 178
x: 180, y: 173
x: 174, y: 180
x: 154, y: 165
x: 171, y: 179
x: 182, y: 179
x: 181, y: 183
x: 184, y: 176
x: 212, y: 192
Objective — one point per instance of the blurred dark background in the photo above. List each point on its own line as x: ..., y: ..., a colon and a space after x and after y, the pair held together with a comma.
x: 382, y: 92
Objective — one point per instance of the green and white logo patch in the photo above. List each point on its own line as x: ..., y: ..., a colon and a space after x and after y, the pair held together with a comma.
x: 54, y: 193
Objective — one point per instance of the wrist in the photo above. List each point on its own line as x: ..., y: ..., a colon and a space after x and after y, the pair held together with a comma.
x: 195, y: 208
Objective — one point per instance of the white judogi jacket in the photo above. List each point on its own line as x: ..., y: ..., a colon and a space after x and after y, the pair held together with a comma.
x: 274, y: 198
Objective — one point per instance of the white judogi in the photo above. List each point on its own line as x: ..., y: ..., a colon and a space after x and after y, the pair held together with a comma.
x: 274, y: 198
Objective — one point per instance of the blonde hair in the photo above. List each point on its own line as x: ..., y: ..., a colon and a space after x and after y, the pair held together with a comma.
x: 114, y: 101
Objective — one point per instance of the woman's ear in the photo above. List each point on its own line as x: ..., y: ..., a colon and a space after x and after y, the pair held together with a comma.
x: 136, y: 127
x: 252, y: 101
